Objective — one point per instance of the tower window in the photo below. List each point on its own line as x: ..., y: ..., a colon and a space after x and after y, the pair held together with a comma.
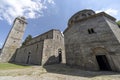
x: 91, y: 31
x: 21, y: 22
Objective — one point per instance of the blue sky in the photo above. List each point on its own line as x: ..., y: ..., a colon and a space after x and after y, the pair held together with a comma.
x: 43, y: 15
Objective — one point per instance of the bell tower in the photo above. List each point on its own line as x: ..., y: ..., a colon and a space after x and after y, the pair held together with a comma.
x: 14, y: 39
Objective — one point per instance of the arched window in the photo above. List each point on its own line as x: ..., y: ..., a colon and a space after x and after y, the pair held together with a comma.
x: 60, y: 55
x: 83, y: 15
x: 89, y: 14
x: 76, y: 17
x: 37, y: 46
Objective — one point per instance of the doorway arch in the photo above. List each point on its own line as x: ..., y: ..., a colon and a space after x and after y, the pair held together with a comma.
x: 101, y: 58
x: 28, y: 57
x: 60, y: 55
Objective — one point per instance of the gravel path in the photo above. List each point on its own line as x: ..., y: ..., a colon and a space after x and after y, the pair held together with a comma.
x: 56, y: 72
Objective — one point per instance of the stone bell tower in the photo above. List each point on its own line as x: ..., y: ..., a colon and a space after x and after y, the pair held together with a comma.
x: 13, y: 40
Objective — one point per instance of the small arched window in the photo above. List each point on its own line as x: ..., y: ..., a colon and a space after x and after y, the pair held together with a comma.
x: 71, y: 21
x: 83, y: 15
x: 76, y: 17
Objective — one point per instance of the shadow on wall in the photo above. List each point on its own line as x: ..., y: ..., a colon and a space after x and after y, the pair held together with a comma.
x: 54, y: 60
x: 51, y: 60
x: 12, y: 60
x: 0, y: 51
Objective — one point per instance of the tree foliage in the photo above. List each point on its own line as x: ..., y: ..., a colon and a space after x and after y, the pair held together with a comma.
x: 28, y: 38
x: 118, y: 22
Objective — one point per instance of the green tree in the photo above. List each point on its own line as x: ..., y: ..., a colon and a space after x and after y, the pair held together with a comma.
x: 118, y: 23
x: 28, y: 38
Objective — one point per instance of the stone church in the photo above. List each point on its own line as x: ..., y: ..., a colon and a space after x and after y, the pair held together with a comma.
x: 47, y: 48
x: 92, y: 41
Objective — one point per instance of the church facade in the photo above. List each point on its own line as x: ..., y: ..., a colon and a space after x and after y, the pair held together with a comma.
x: 92, y: 41
x: 47, y: 48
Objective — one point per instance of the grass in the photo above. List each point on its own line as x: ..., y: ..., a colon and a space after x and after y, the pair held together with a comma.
x: 6, y: 66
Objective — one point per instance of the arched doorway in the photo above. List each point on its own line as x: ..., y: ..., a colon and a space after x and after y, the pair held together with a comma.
x: 103, y: 63
x: 60, y: 55
x: 101, y: 58
x: 28, y: 58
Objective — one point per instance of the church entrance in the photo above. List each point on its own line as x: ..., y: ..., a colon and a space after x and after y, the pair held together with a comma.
x: 103, y: 63
x: 28, y: 58
x: 60, y: 55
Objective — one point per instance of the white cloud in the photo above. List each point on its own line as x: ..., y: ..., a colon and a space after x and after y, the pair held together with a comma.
x: 50, y: 1
x: 110, y: 11
x: 9, y: 9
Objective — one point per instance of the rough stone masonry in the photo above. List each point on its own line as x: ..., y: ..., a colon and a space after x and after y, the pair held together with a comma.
x: 13, y: 40
x: 92, y: 41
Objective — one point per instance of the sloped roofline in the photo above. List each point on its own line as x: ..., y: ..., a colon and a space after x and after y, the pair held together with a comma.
x: 92, y: 16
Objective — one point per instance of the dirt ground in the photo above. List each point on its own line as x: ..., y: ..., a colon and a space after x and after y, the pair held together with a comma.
x: 56, y: 72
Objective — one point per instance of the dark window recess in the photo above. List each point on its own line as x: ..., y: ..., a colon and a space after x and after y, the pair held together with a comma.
x: 21, y: 22
x: 57, y: 37
x: 72, y: 21
x: 89, y: 14
x: 84, y: 15
x: 77, y: 17
x: 91, y: 31
x: 37, y: 46
x: 46, y: 36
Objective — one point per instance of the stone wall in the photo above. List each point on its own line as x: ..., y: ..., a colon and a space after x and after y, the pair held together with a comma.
x: 46, y: 35
x: 31, y: 54
x: 42, y: 50
x: 51, y: 49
